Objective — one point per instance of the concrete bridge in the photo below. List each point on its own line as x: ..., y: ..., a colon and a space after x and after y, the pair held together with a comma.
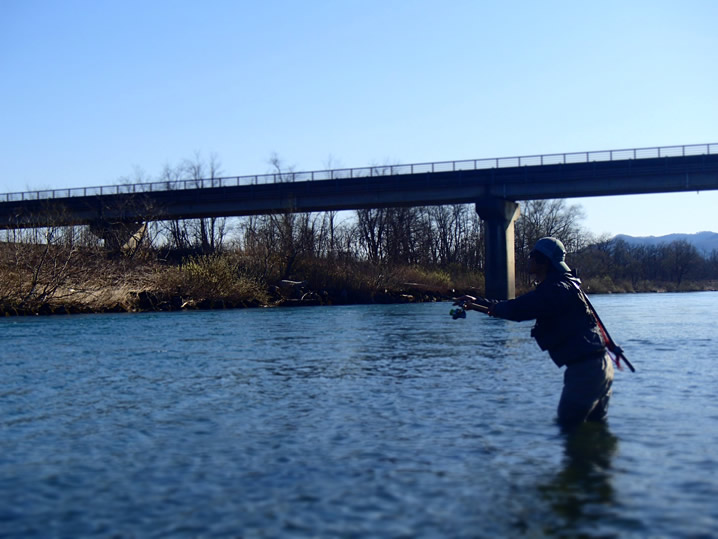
x: 494, y: 185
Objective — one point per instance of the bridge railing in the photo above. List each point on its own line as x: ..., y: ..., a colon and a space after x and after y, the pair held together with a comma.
x: 365, y: 172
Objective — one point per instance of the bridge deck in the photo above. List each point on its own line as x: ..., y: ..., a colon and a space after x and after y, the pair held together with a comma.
x: 613, y: 172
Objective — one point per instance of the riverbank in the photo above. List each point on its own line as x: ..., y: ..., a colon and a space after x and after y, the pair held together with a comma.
x: 123, y: 297
x: 94, y: 284
x: 283, y: 294
x: 221, y: 282
x: 605, y: 285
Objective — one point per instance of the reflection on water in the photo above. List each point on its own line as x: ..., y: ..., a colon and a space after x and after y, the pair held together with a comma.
x: 584, y: 482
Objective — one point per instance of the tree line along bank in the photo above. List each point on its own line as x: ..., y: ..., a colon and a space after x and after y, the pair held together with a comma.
x: 365, y: 256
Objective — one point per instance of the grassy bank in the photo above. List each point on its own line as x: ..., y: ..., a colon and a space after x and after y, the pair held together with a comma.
x: 92, y: 283
x: 36, y: 280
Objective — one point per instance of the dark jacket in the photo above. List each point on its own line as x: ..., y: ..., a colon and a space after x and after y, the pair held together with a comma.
x: 564, y: 323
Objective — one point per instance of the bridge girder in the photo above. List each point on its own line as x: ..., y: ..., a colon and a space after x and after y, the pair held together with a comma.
x: 497, y: 188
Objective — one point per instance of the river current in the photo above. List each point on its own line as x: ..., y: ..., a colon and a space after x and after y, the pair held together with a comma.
x: 352, y: 421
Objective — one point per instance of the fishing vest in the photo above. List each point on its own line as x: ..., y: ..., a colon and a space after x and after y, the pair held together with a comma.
x: 572, y: 334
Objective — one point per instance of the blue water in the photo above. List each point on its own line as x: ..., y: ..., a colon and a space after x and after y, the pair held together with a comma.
x: 381, y: 421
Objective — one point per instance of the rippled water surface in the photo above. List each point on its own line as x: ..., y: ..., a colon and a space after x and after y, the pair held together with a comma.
x: 352, y: 421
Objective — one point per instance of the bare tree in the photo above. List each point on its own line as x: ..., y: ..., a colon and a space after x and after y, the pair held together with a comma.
x: 206, y: 235
x: 210, y: 232
x: 328, y: 230
x: 451, y: 226
x: 42, y: 264
x: 541, y: 218
x: 280, y: 240
x: 370, y: 232
x: 679, y: 259
x: 175, y: 231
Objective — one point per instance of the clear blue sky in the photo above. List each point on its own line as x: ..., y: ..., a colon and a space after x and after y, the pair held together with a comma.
x: 93, y: 91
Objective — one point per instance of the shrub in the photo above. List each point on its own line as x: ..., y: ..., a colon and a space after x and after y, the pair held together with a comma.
x: 211, y: 277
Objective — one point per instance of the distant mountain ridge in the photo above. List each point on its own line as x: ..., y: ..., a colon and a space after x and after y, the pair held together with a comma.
x: 705, y: 242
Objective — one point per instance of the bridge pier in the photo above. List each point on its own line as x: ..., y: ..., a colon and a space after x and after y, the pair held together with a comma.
x: 120, y: 236
x: 499, y: 215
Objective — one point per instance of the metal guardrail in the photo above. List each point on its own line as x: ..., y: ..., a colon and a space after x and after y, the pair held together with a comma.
x: 364, y: 172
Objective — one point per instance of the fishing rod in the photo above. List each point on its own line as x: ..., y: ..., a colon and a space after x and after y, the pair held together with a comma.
x: 610, y: 343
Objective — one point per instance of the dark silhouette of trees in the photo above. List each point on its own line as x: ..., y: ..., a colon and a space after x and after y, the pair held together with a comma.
x: 681, y: 260
x: 370, y: 233
x: 637, y: 267
x: 540, y: 218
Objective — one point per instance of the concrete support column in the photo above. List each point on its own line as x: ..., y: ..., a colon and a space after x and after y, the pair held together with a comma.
x: 122, y: 236
x: 499, y: 215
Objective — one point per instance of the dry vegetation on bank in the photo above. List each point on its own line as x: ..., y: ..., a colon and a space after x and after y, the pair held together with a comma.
x: 40, y: 280
x: 54, y: 280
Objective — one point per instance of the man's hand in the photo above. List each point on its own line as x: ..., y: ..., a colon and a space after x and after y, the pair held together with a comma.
x: 473, y: 304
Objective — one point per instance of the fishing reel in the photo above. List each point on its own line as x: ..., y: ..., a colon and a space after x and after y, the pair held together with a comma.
x: 457, y: 312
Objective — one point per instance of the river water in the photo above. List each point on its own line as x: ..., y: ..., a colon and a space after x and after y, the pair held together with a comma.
x: 353, y: 421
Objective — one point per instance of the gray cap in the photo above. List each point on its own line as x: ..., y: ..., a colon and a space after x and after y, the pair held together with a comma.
x: 554, y: 250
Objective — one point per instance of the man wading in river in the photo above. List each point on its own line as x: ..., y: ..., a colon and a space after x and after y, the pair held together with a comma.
x: 566, y: 326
